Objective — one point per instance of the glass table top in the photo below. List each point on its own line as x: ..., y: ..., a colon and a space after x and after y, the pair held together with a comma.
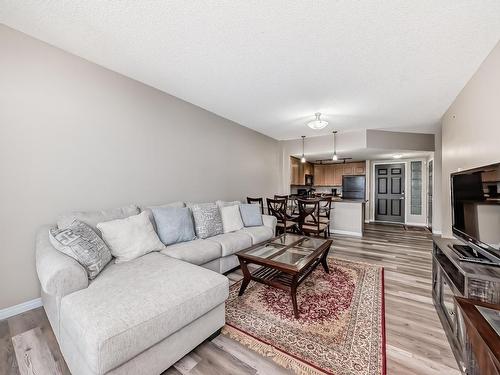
x: 289, y: 249
x: 491, y: 316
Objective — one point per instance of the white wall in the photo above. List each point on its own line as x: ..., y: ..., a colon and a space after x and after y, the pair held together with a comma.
x: 387, y: 140
x: 437, y: 188
x: 471, y: 128
x: 74, y: 135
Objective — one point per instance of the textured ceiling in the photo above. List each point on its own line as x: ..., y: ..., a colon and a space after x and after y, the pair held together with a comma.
x: 269, y: 65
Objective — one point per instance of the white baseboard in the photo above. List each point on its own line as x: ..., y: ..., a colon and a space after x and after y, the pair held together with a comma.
x: 390, y: 222
x: 18, y: 309
x: 438, y: 232
x: 347, y: 233
x: 416, y: 224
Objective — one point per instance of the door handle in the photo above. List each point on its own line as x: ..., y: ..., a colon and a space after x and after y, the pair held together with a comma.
x: 402, y: 198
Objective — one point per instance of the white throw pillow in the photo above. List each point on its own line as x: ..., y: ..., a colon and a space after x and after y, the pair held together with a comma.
x: 130, y: 238
x: 221, y: 204
x: 231, y: 218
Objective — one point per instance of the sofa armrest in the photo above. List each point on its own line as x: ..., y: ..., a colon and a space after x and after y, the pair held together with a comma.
x: 58, y: 273
x: 270, y: 221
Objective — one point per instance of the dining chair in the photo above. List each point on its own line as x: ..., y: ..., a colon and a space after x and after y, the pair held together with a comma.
x: 285, y: 197
x: 308, y: 220
x: 280, y: 198
x: 285, y: 223
x: 258, y: 201
x: 325, y: 210
x: 292, y: 205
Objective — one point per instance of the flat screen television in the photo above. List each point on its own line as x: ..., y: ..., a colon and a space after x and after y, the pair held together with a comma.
x: 475, y: 201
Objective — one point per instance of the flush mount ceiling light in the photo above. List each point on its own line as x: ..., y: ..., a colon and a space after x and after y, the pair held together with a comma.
x: 318, y: 123
x: 397, y: 156
x: 303, y: 158
x: 334, y: 157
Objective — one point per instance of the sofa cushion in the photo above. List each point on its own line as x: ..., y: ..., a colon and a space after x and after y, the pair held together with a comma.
x: 196, y: 252
x: 228, y: 263
x: 231, y: 218
x: 92, y: 218
x: 258, y: 234
x: 207, y: 219
x: 131, y: 237
x: 174, y: 224
x: 176, y: 204
x: 232, y: 242
x: 134, y: 305
x: 213, y: 265
x: 269, y: 221
x: 251, y: 215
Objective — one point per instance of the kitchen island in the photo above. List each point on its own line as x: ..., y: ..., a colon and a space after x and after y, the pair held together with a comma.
x: 347, y: 216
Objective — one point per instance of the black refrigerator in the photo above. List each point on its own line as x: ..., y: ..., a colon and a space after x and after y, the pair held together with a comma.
x: 353, y: 187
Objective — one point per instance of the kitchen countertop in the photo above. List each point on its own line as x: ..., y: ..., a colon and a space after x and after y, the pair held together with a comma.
x: 334, y: 199
x: 349, y: 200
x: 319, y: 186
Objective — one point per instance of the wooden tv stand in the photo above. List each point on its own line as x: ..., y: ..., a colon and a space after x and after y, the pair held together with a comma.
x: 452, y: 278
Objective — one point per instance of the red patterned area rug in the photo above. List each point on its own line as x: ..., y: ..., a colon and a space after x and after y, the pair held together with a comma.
x: 341, y: 328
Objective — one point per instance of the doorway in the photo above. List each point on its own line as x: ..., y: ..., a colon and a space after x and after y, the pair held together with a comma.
x: 429, y: 195
x: 390, y: 192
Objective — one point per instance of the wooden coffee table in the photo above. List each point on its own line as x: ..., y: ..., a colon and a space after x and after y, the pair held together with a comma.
x: 286, y: 261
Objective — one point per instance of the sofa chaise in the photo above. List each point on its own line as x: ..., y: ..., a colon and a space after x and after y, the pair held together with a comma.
x: 141, y: 316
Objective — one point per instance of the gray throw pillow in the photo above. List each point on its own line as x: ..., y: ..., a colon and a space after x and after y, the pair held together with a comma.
x: 251, y: 215
x: 148, y: 209
x: 80, y: 242
x: 174, y: 224
x: 207, y: 220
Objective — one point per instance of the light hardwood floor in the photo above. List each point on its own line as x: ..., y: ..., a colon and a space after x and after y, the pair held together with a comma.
x: 416, y: 343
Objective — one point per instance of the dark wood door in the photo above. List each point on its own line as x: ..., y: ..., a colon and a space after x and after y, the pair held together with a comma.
x: 390, y: 192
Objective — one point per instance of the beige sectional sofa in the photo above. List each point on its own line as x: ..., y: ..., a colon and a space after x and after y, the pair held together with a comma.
x: 141, y: 316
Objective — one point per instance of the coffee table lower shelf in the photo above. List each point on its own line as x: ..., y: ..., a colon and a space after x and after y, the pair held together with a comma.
x: 277, y: 278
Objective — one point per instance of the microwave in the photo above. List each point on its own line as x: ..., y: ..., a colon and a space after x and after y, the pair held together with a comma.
x: 309, y: 179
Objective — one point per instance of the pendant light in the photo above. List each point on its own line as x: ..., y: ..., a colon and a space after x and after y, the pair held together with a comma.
x: 303, y: 158
x: 334, y: 157
x: 318, y: 123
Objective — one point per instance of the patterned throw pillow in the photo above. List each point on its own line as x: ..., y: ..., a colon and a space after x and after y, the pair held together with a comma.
x: 80, y: 242
x: 207, y: 220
